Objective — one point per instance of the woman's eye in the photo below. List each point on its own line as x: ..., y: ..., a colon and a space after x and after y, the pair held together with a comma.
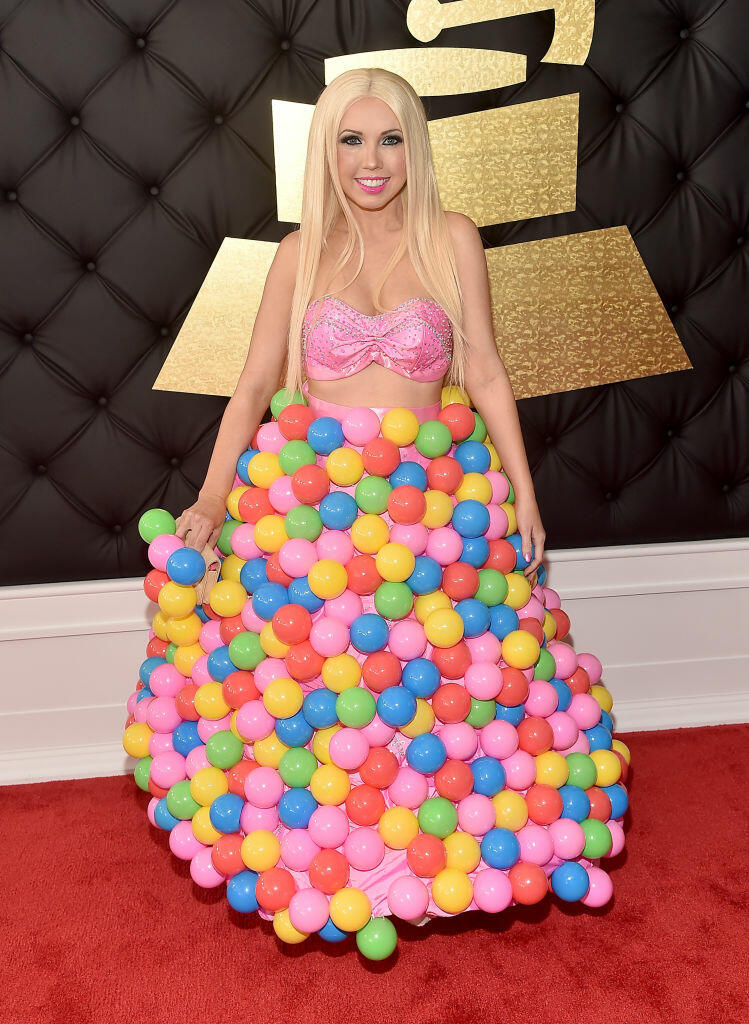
x: 349, y: 138
x: 395, y: 138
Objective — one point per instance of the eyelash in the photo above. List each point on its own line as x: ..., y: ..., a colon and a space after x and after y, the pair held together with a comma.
x: 347, y: 138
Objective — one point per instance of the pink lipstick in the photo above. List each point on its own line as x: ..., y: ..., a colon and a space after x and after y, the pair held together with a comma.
x: 366, y: 184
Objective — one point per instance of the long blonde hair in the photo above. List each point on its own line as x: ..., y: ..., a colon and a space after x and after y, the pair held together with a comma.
x: 426, y: 235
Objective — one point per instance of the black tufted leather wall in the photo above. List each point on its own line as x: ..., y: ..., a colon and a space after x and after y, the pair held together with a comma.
x: 136, y: 135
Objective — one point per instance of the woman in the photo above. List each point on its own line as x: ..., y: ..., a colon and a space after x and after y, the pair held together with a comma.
x: 389, y: 600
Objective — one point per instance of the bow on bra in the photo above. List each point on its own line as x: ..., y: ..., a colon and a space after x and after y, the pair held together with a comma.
x: 414, y: 339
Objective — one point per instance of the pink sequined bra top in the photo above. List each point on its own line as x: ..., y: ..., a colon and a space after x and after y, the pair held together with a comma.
x: 414, y: 339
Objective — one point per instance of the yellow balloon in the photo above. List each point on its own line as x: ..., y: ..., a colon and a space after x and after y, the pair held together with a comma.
x: 202, y: 827
x: 231, y: 567
x: 463, y: 852
x: 398, y: 826
x: 270, y: 533
x: 341, y: 672
x: 263, y: 468
x: 210, y: 703
x: 608, y: 768
x: 443, y: 627
x: 451, y: 393
x: 452, y: 890
x: 136, y: 738
x: 176, y: 600
x: 327, y: 579
x: 602, y: 695
x: 227, y: 598
x: 395, y: 562
x: 260, y: 850
x: 512, y: 519
x: 623, y: 749
x: 422, y: 721
x: 439, y: 510
x: 269, y: 751
x: 518, y: 589
x: 511, y: 808
x: 285, y: 930
x: 283, y: 697
x: 425, y: 604
x: 495, y: 461
x: 233, y: 727
x: 476, y: 486
x: 208, y: 783
x: 520, y: 649
x: 159, y: 623
x: 400, y: 426
x: 232, y: 501
x: 270, y: 643
x: 549, y: 625
x: 185, y: 630
x: 185, y: 657
x: 344, y: 466
x: 350, y: 909
x: 369, y: 532
x: 330, y: 784
x: 552, y: 769
x: 321, y: 743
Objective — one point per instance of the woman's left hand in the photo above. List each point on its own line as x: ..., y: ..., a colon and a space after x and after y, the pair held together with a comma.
x: 531, y: 531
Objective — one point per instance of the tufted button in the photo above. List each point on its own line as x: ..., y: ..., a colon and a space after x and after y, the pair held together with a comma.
x: 684, y: 33
x: 732, y: 367
x: 75, y: 120
x: 90, y: 265
x: 174, y: 461
x: 619, y: 108
x: 740, y: 240
x: 609, y: 495
x: 117, y: 528
x: 670, y: 432
x: 28, y: 337
x: 218, y: 119
x: 154, y: 190
x: 674, y: 307
x: 725, y: 488
x: 102, y: 400
x: 681, y: 175
x: 285, y: 44
x: 41, y: 469
x: 140, y: 43
x: 164, y: 332
x: 11, y: 195
x: 548, y: 439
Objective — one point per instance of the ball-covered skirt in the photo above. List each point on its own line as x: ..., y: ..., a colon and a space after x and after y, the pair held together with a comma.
x: 373, y: 713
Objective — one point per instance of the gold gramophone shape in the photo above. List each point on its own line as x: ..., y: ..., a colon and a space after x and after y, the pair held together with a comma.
x: 569, y: 312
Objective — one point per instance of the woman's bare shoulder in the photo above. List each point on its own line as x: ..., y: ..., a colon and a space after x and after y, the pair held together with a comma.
x: 462, y: 228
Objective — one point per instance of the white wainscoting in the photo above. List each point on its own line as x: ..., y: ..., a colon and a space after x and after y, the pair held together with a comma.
x: 670, y: 623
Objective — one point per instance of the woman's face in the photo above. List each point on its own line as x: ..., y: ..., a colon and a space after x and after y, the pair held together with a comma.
x: 371, y: 154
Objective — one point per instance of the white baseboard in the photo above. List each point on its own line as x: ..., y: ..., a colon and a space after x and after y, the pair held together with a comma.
x: 668, y: 622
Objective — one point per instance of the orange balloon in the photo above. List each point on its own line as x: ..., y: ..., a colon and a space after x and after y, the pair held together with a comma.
x: 528, y: 881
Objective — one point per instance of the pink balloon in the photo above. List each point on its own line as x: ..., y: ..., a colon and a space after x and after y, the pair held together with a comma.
x: 601, y: 888
x: 308, y: 910
x: 492, y: 890
x: 281, y: 496
x: 536, y: 845
x: 500, y: 485
x: 250, y: 619
x: 542, y: 699
x: 476, y: 814
x: 132, y: 702
x: 243, y: 541
x: 253, y: 818
x: 408, y: 898
x: 483, y: 680
x: 409, y: 788
x: 346, y: 607
x: 162, y: 715
x: 329, y: 636
x: 461, y: 740
x: 270, y: 438
x: 580, y: 746
x: 202, y: 871
x: 360, y: 425
x: 617, y: 837
x: 168, y: 768
x: 264, y: 787
x: 200, y: 673
x: 532, y: 609
x: 195, y: 760
x: 568, y: 838
x: 585, y: 709
x: 182, y: 841
x: 335, y: 544
x: 141, y: 709
x: 484, y: 647
x: 414, y: 536
x: 364, y: 849
x: 297, y: 556
x: 498, y: 523
x: 160, y: 743
x: 551, y: 598
x: 499, y: 739
x: 565, y: 658
x: 377, y: 733
x: 150, y: 810
x: 407, y: 639
x: 210, y: 635
x: 253, y: 721
x: 520, y: 770
x: 328, y: 826
x: 166, y: 681
x: 444, y: 545
x: 592, y: 666
x: 161, y: 548
x: 207, y: 728
x: 298, y: 849
x: 268, y: 670
x: 565, y: 729
x: 349, y: 748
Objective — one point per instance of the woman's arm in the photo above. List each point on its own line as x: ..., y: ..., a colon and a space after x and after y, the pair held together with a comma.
x: 257, y: 382
x: 488, y: 384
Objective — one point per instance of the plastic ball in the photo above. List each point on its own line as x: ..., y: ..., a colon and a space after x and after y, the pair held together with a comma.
x: 408, y: 898
x: 452, y: 891
x: 377, y: 939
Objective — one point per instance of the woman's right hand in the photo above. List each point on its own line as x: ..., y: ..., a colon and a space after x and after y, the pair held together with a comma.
x: 201, y: 523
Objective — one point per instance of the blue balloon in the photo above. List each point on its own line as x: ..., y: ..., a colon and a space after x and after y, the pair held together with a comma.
x: 475, y: 551
x: 369, y: 633
x: 502, y: 620
x: 331, y: 933
x: 500, y: 848
x: 163, y: 816
x: 427, y: 575
x: 185, y: 737
x: 319, y: 708
x: 606, y: 720
x: 475, y: 616
x: 224, y: 812
x: 565, y: 693
x: 324, y: 435
x: 141, y: 694
x: 240, y: 892
x: 300, y: 593
x: 473, y: 456
x: 421, y: 676
x: 243, y: 463
x: 396, y: 706
x: 338, y: 510
x: 253, y: 574
x: 513, y: 714
x: 296, y: 807
x: 185, y: 566
x: 147, y: 667
x: 599, y: 738
x: 575, y: 802
x: 268, y: 598
x: 541, y: 574
x: 409, y: 473
x: 201, y: 613
x: 570, y: 881
x: 488, y: 775
x: 619, y: 800
x: 426, y: 753
x: 470, y: 518
x: 294, y: 731
x: 220, y: 664
x: 517, y: 542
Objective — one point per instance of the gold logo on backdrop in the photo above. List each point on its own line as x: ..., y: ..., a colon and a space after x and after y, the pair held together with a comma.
x: 569, y: 312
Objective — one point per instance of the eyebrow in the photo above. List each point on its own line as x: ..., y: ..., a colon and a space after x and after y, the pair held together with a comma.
x: 356, y: 131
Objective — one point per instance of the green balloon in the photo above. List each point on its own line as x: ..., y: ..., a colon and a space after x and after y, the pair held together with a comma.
x: 282, y: 398
x: 479, y: 431
x: 493, y: 586
x: 224, y: 538
x: 511, y: 495
x: 583, y: 771
x: 433, y: 439
x: 245, y: 650
x: 355, y: 707
x: 545, y: 666
x: 377, y: 939
x: 438, y: 815
x: 295, y: 454
x: 180, y: 801
x: 482, y: 712
x: 170, y: 652
x: 142, y: 772
x: 297, y: 766
x: 224, y: 749
x: 598, y: 839
x: 303, y: 521
x: 372, y: 493
x: 393, y: 600
x: 155, y: 522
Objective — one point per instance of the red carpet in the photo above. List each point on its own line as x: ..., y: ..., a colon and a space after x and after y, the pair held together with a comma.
x: 101, y: 923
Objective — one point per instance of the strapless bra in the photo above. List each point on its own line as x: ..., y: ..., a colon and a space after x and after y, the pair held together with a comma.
x: 414, y: 339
